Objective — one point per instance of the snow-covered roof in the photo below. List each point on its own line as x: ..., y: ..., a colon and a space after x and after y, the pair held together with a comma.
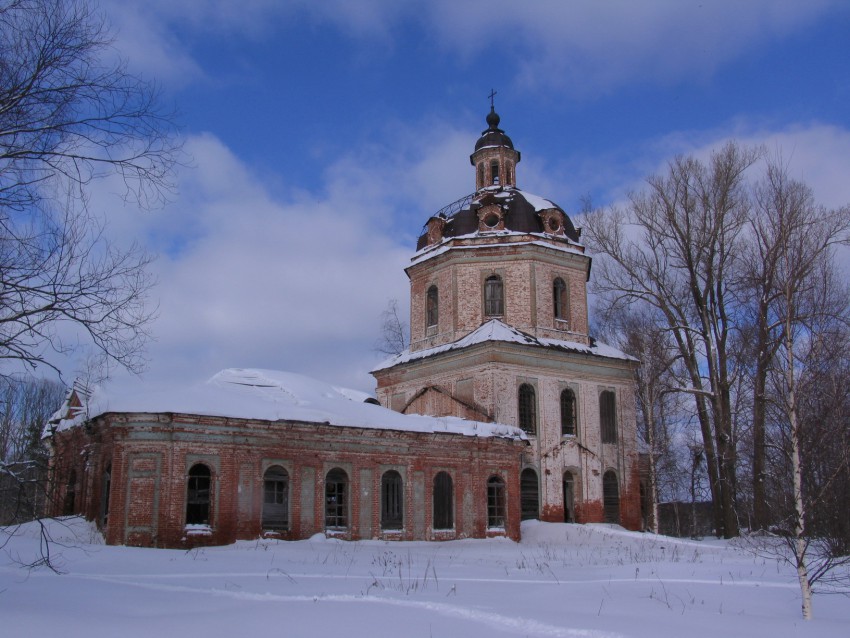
x: 495, y: 330
x: 271, y: 395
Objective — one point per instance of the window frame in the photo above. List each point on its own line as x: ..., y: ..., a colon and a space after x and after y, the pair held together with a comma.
x: 276, y: 520
x: 337, y: 511
x: 432, y: 307
x: 442, y: 502
x: 496, y: 502
x: 527, y: 408
x: 199, y: 492
x: 392, y: 501
x: 494, y: 296
x: 608, y: 416
x: 529, y: 498
x: 568, y: 486
x: 560, y: 300
x: 569, y: 416
x: 611, y: 497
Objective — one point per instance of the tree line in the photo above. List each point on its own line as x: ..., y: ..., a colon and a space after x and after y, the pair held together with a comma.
x: 722, y: 276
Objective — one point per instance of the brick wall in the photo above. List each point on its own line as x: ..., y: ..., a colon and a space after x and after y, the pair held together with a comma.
x: 151, y: 456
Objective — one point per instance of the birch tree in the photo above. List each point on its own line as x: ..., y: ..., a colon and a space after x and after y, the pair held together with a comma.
x: 809, y: 306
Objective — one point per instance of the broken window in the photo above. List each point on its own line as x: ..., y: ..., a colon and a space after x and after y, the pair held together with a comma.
x: 608, y: 416
x: 443, y: 501
x: 527, y: 408
x: 568, y: 412
x: 494, y: 296
x: 495, y: 502
x: 611, y: 497
x: 392, y: 501
x: 529, y: 495
x: 336, y: 500
x: 198, y: 495
x: 276, y: 498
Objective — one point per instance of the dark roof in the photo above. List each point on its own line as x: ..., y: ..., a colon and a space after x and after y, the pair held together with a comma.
x: 520, y: 214
x: 493, y: 135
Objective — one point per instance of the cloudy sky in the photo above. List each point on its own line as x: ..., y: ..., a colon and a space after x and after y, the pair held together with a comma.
x: 324, y: 133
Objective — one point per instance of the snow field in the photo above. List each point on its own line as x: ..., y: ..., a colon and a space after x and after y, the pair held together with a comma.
x: 561, y: 580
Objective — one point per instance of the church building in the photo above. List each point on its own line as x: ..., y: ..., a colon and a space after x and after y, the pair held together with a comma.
x: 503, y: 408
x: 499, y: 332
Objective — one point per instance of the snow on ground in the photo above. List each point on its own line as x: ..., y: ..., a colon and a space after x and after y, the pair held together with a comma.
x: 561, y: 580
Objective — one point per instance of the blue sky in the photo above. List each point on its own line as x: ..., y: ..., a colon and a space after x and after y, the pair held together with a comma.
x: 324, y: 133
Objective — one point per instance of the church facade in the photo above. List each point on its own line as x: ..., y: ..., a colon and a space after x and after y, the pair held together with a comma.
x: 499, y: 332
x: 503, y: 408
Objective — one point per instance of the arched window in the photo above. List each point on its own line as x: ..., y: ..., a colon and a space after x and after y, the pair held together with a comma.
x: 70, y: 494
x: 432, y: 307
x: 608, y: 416
x: 392, y: 501
x: 529, y: 494
x: 495, y: 502
x: 568, y: 412
x: 198, y: 495
x: 105, y: 486
x: 443, y: 501
x: 569, y: 498
x: 494, y: 296
x: 509, y: 173
x: 527, y: 408
x: 494, y: 172
x: 560, y: 299
x: 276, y: 498
x: 336, y: 499
x: 611, y: 497
x: 481, y: 174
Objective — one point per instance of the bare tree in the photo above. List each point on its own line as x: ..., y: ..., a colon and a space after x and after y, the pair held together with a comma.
x: 811, y: 308
x: 637, y: 332
x: 70, y: 113
x: 392, y: 339
x: 673, y: 247
x: 25, y: 407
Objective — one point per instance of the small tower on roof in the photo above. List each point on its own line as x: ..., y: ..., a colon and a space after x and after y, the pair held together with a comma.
x: 494, y: 158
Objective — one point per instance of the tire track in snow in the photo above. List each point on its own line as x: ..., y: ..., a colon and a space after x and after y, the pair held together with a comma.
x: 499, y: 622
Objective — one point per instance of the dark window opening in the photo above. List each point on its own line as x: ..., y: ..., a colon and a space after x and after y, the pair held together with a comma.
x: 392, y: 501
x: 276, y: 499
x: 106, y: 486
x: 529, y: 495
x: 568, y: 412
x: 608, y: 416
x: 611, y: 497
x: 70, y: 494
x: 198, y: 495
x: 336, y: 499
x: 559, y: 299
x: 495, y: 502
x: 494, y: 296
x: 569, y: 498
x: 432, y: 307
x: 527, y: 408
x: 443, y: 501
x: 480, y: 174
x: 494, y: 172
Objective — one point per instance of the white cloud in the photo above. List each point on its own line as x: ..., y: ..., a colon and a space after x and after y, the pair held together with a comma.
x: 247, y: 279
x: 581, y: 47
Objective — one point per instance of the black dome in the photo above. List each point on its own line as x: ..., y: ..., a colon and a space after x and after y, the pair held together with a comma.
x: 521, y: 213
x: 493, y: 136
